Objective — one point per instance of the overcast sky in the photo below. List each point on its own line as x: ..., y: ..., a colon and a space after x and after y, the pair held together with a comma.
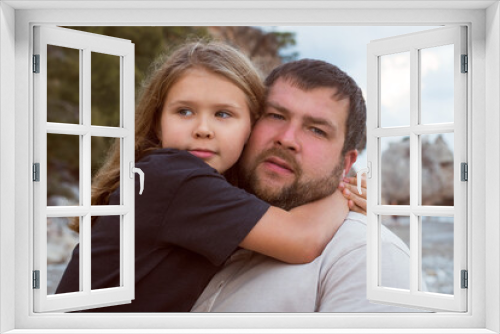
x: 345, y: 46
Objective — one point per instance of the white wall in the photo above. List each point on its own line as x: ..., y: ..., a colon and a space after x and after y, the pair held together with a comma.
x: 493, y: 162
x: 7, y: 163
x: 490, y: 164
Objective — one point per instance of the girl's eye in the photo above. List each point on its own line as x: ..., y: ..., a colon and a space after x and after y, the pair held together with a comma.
x: 222, y: 114
x: 185, y: 112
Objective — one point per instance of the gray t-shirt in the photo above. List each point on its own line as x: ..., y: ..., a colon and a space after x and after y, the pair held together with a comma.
x: 334, y: 282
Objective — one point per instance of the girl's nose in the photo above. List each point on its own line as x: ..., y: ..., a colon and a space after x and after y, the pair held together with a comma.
x: 203, y: 131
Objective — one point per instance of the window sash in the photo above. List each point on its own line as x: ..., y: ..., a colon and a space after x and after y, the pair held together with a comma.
x: 85, y: 43
x: 413, y: 43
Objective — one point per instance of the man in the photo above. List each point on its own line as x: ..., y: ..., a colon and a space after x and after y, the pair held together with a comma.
x: 306, y: 139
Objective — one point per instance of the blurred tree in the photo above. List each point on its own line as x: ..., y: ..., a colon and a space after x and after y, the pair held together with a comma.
x: 63, y: 106
x: 265, y: 49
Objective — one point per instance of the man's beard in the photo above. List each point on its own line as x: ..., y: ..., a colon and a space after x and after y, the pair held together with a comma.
x: 289, y: 196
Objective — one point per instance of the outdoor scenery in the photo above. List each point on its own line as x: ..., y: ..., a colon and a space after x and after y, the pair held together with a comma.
x: 267, y: 47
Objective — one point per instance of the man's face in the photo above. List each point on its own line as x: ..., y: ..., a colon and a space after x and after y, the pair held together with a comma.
x: 293, y: 155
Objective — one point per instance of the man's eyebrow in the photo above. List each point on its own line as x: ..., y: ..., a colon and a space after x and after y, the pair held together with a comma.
x: 307, y: 118
x: 320, y: 121
x: 278, y: 107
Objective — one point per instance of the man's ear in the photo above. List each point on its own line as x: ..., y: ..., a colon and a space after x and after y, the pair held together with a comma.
x: 349, y: 159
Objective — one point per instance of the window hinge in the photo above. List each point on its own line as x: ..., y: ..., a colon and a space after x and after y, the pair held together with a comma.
x: 36, y: 63
x: 36, y: 279
x: 465, y: 279
x: 465, y: 64
x: 36, y: 172
x: 465, y: 171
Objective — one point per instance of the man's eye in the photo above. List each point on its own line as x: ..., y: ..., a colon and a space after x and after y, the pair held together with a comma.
x: 185, y: 112
x: 223, y: 114
x: 318, y: 132
x: 274, y: 116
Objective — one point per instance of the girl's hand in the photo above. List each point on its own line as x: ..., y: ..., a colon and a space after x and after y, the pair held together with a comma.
x: 349, y: 189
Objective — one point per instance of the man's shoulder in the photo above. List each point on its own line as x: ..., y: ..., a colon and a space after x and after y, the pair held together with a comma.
x: 355, y: 225
x: 353, y: 235
x: 350, y: 236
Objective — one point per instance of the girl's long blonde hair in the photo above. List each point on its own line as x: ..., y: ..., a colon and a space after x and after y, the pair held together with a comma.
x: 216, y: 57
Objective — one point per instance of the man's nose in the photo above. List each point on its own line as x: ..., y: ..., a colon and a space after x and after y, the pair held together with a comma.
x: 203, y: 130
x: 287, y: 139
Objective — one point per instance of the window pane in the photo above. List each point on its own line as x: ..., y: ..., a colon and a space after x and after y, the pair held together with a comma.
x: 395, y: 169
x: 437, y: 169
x: 63, y: 170
x: 101, y: 149
x: 105, y: 89
x: 400, y: 226
x: 395, y: 90
x: 437, y: 254
x: 105, y: 249
x: 437, y: 85
x: 61, y: 241
x: 63, y: 85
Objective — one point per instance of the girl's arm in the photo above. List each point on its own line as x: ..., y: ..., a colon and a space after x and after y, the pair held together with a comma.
x: 299, y: 235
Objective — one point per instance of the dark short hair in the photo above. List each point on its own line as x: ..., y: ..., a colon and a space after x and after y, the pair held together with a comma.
x: 308, y: 74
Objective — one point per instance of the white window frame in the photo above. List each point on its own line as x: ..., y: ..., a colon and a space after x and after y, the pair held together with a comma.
x: 86, y: 44
x: 483, y: 21
x: 413, y: 44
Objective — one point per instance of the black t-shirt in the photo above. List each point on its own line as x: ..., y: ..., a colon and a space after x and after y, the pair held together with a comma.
x: 188, y: 221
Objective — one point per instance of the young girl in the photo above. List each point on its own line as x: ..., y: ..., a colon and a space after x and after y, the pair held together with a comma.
x: 192, y: 123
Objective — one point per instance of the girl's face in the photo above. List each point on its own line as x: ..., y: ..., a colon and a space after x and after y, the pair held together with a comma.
x: 208, y: 116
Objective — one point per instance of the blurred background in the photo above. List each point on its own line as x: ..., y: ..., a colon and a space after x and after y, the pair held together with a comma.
x: 267, y: 47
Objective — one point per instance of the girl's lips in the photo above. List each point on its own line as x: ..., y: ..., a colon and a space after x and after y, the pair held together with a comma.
x: 202, y: 154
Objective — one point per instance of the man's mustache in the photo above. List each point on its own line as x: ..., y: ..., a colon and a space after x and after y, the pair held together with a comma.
x: 283, y: 154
